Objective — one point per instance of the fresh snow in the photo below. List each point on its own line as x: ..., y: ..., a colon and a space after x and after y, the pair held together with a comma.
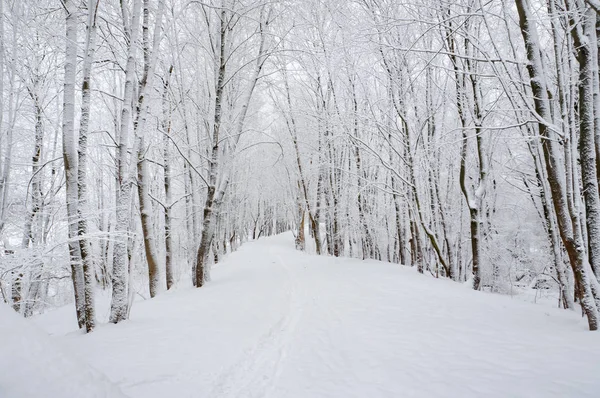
x: 32, y: 365
x: 275, y: 322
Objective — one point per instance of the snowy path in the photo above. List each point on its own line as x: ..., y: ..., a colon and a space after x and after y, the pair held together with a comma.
x: 281, y: 324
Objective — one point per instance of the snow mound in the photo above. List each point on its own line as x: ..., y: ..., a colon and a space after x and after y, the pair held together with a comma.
x: 33, y: 365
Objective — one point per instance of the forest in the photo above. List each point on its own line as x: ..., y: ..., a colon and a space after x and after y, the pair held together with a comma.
x: 142, y: 141
x: 299, y: 198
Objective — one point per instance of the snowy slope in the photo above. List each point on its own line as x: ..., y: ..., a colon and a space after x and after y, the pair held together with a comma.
x: 31, y: 365
x: 278, y: 323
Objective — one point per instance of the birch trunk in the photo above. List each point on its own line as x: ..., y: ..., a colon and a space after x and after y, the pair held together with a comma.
x: 70, y: 160
x: 166, y: 126
x: 119, y: 308
x: 213, y: 165
x: 5, y: 145
x: 7, y: 162
x: 30, y: 236
x: 368, y: 245
x: 588, y: 74
x: 300, y: 242
x: 83, y: 207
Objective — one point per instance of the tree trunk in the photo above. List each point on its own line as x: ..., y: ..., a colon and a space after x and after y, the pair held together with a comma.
x: 6, y: 146
x: 209, y: 205
x: 166, y: 126
x: 215, y: 195
x: 139, y: 126
x: 300, y: 242
x: 588, y: 73
x: 573, y: 243
x: 82, y: 193
x: 70, y: 160
x: 473, y: 199
x: 119, y: 309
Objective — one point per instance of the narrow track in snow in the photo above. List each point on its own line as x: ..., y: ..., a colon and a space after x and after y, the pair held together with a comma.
x: 256, y: 372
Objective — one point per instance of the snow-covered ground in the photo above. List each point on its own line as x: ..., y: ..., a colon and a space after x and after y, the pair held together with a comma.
x: 32, y: 364
x: 278, y: 323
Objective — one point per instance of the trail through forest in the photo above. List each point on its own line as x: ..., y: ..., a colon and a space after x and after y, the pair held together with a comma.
x: 275, y: 322
x: 143, y: 141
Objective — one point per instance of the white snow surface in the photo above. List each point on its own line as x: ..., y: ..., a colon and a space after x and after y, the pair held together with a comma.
x: 275, y: 322
x: 32, y: 365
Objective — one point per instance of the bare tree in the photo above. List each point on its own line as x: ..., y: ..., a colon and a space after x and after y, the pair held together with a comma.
x: 119, y: 302
x: 70, y: 164
x: 568, y: 222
